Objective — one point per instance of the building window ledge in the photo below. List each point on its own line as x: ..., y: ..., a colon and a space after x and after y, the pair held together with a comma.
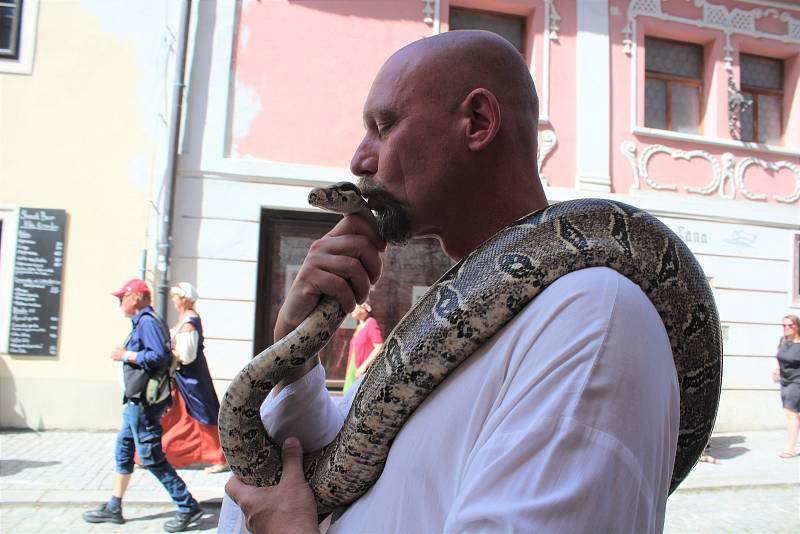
x: 715, y: 141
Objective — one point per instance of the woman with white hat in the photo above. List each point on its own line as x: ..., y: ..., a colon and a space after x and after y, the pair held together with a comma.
x: 191, y: 434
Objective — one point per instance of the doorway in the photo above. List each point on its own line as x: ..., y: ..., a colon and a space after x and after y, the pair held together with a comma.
x: 285, y: 237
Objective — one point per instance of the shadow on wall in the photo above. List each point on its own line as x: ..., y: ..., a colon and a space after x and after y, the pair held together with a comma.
x: 726, y: 447
x: 12, y: 412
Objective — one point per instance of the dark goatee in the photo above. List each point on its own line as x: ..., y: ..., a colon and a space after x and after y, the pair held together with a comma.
x: 394, y: 225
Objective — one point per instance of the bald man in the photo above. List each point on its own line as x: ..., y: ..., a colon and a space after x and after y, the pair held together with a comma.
x: 566, y: 420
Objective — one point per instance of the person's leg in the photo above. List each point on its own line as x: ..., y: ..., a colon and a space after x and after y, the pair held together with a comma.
x: 152, y: 456
x: 120, y: 485
x: 111, y: 511
x: 792, y: 427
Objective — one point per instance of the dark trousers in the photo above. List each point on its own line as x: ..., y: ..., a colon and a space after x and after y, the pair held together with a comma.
x: 141, y: 431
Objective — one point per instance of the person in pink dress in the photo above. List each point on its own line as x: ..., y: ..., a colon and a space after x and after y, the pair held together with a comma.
x: 364, y: 345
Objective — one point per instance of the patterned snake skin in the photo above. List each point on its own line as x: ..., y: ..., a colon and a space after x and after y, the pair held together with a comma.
x: 460, y: 312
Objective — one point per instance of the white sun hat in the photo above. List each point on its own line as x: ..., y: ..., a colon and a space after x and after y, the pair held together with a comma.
x: 185, y: 290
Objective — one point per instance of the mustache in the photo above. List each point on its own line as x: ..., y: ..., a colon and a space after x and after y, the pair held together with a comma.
x: 372, y: 191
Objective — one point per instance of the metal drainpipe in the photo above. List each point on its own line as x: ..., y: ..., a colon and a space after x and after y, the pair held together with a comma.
x: 171, y: 170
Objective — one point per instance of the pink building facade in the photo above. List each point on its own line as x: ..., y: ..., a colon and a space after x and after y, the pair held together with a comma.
x: 687, y: 108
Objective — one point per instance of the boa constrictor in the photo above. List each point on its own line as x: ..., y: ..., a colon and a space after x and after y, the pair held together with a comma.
x: 460, y: 312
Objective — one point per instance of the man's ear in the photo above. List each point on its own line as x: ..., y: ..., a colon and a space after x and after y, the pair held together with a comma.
x: 483, y: 118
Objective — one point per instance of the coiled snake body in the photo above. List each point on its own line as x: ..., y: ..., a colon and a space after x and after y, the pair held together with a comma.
x: 460, y: 312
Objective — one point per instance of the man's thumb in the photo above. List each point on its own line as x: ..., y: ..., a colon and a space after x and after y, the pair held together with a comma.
x: 292, y: 458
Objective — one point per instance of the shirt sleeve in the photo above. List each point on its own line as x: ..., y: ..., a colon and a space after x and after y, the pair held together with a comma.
x: 153, y: 353
x: 186, y: 346
x: 374, y: 334
x: 303, y: 409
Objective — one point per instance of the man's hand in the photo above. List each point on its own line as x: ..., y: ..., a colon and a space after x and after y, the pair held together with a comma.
x: 342, y: 264
x: 117, y: 354
x: 286, y: 508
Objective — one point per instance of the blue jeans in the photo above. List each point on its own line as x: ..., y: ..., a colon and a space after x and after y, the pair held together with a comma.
x: 141, y: 431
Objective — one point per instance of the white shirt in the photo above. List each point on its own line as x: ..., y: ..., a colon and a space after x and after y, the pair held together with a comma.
x: 565, y: 421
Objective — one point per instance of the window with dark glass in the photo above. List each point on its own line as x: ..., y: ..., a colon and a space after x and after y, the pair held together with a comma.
x: 762, y: 84
x: 10, y: 20
x: 509, y: 26
x: 673, y: 85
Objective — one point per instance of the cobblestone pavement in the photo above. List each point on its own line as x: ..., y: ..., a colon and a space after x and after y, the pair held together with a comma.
x: 140, y: 518
x: 48, y: 479
x: 78, y: 467
x: 758, y: 510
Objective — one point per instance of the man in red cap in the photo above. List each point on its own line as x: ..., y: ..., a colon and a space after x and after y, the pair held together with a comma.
x: 145, y: 354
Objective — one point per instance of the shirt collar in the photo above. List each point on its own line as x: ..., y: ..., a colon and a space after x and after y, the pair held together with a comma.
x: 143, y: 311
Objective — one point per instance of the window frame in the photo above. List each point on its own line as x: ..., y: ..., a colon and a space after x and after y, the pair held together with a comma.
x: 498, y: 14
x: 671, y: 79
x: 756, y: 91
x: 16, y: 29
x: 23, y: 62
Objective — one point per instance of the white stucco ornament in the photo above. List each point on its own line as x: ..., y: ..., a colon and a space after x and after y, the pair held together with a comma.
x: 551, y: 20
x: 774, y: 166
x: 427, y: 12
x: 725, y: 178
x: 716, y: 17
x: 547, y: 142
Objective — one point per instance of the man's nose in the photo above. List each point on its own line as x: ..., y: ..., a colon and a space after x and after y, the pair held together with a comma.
x: 365, y: 159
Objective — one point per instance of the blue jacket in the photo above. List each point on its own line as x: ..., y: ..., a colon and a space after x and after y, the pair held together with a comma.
x: 148, y: 340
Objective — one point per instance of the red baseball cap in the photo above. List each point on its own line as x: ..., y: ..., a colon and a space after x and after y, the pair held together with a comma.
x: 134, y: 285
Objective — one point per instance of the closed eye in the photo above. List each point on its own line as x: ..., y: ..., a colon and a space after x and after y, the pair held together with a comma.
x: 381, y: 121
x: 383, y: 129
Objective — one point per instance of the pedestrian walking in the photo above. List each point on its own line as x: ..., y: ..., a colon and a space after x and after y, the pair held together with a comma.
x: 365, y: 344
x: 787, y: 371
x: 146, y: 360
x: 191, y: 435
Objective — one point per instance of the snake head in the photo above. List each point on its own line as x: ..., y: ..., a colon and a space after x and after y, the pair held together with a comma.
x: 342, y: 197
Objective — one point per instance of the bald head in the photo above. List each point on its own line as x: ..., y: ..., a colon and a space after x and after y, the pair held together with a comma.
x: 451, y: 124
x: 450, y: 65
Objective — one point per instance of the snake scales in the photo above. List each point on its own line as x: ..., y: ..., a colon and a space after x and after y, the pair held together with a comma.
x: 460, y: 312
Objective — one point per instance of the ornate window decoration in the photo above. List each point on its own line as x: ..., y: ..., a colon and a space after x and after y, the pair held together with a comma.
x: 726, y: 177
x: 717, y: 17
x: 738, y: 104
x: 551, y: 19
x: 547, y: 142
x: 427, y: 12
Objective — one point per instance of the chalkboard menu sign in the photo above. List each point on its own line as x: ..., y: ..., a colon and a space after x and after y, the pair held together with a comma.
x: 36, y: 300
